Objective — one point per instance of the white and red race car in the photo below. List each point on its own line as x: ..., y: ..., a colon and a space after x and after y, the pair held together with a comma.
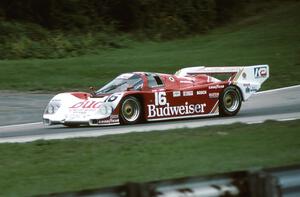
x: 144, y: 96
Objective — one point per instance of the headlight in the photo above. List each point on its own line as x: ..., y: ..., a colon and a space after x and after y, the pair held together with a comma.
x: 52, y: 107
x: 105, y: 110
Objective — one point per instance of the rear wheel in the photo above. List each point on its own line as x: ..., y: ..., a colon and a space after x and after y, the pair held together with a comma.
x: 131, y: 110
x: 230, y: 101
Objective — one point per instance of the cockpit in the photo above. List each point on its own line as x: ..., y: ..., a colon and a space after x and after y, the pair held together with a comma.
x: 127, y: 81
x: 154, y: 80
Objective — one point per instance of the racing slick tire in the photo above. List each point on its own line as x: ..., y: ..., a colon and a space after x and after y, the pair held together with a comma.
x: 230, y: 101
x: 131, y: 110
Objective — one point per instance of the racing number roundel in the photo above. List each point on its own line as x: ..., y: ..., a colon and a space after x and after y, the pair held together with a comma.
x: 160, y: 98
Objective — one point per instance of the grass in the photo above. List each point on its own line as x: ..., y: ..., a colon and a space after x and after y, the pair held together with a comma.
x: 74, y: 164
x: 271, y: 38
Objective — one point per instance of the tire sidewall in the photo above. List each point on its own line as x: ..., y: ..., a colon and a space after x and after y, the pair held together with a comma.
x: 122, y: 118
x: 223, y: 110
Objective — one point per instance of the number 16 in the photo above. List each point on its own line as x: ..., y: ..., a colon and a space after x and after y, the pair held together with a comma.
x: 160, y: 98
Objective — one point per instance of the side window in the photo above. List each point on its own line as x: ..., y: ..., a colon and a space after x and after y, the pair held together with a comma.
x: 154, y: 81
x: 158, y: 80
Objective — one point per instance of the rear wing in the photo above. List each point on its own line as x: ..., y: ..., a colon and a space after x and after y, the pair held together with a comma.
x: 248, y: 78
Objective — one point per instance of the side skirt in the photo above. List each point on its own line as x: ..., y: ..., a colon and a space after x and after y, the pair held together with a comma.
x: 183, y: 117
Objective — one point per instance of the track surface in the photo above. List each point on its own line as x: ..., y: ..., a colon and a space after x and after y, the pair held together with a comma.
x: 280, y: 104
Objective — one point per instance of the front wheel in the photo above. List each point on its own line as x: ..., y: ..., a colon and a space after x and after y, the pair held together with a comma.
x: 131, y: 110
x: 230, y: 101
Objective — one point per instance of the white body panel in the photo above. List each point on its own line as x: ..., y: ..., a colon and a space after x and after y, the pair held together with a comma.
x: 248, y: 78
x: 73, y: 109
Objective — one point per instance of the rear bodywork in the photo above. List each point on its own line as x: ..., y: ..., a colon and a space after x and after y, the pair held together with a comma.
x: 190, y: 92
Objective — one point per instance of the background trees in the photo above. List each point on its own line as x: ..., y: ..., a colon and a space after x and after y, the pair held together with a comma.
x: 127, y: 15
x: 56, y: 28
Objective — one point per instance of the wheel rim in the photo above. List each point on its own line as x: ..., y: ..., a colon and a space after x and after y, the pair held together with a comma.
x: 130, y: 110
x: 231, y: 100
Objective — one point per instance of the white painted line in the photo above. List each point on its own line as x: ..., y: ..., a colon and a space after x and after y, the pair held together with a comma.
x: 278, y: 89
x: 21, y: 125
x: 286, y: 119
x: 255, y: 122
x: 148, y: 128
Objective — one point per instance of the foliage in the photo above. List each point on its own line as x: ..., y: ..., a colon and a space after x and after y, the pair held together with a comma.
x: 55, y: 28
x: 128, y: 15
x: 28, y: 40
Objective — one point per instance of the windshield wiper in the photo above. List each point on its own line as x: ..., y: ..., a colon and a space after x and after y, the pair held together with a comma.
x: 136, y: 83
x: 112, y: 87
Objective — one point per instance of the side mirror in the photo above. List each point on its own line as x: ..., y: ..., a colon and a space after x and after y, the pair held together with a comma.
x: 92, y: 91
x: 129, y: 88
x: 132, y: 87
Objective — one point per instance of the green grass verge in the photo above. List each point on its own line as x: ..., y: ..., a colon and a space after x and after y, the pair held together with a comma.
x: 266, y: 38
x: 64, y: 165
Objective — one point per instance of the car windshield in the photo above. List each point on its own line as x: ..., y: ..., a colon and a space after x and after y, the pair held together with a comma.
x: 122, y: 83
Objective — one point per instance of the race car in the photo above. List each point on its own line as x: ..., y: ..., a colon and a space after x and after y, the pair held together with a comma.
x: 136, y: 97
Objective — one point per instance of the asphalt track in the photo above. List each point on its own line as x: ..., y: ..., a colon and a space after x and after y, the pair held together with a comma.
x: 20, y: 116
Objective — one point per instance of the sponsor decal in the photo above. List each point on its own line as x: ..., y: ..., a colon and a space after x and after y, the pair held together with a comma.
x: 215, y: 87
x: 260, y: 72
x: 112, y: 98
x: 251, y: 89
x: 163, y: 109
x: 171, y: 79
x: 77, y: 115
x: 167, y: 110
x: 87, y: 105
x: 176, y: 94
x: 213, y: 95
x: 157, y: 90
x: 108, y: 121
x: 114, y: 117
x: 201, y: 92
x: 246, y: 84
x: 188, y: 93
x: 244, y: 75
